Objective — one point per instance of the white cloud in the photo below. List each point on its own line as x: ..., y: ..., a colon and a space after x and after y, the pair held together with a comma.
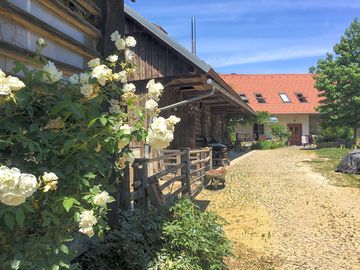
x: 266, y: 56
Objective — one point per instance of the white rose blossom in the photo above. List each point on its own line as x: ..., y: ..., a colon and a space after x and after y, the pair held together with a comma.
x: 154, y: 89
x: 152, y: 106
x: 161, y: 130
x: 102, y: 73
x: 129, y: 55
x: 126, y: 129
x: 15, y: 83
x: 9, y: 84
x: 74, y: 79
x: 130, y: 42
x: 112, y: 58
x: 120, y: 44
x: 94, y: 63
x: 40, y: 42
x: 87, y: 90
x: 103, y: 198
x: 115, y: 36
x: 120, y: 76
x: 15, y: 187
x: 53, y: 74
x: 129, y: 88
x: 50, y: 180
x: 84, y: 78
x: 5, y: 89
x: 87, y: 221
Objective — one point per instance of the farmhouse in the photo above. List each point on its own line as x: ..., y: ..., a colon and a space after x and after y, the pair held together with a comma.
x: 290, y: 99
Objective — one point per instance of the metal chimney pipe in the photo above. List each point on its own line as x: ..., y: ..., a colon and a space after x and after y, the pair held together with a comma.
x: 193, y: 35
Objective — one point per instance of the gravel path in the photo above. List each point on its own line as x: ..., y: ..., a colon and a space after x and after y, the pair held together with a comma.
x: 283, y: 215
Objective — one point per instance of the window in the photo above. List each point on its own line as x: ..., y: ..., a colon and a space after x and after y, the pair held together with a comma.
x: 301, y: 98
x: 260, y: 98
x: 244, y: 98
x: 284, y: 97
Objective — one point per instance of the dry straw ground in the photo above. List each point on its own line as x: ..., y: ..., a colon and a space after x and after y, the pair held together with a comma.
x: 283, y: 214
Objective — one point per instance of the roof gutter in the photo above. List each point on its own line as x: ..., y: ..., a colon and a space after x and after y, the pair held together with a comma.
x: 192, y: 100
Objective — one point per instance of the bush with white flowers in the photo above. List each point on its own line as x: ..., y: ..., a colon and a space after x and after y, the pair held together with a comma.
x: 63, y: 143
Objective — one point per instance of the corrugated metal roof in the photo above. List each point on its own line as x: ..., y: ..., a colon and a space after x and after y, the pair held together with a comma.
x: 165, y: 38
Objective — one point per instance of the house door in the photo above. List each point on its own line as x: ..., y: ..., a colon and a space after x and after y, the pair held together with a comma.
x: 296, y: 131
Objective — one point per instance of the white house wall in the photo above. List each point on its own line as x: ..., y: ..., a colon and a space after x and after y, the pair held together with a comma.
x: 284, y: 119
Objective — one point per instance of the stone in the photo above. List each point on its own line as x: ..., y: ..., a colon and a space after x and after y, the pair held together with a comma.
x: 350, y: 163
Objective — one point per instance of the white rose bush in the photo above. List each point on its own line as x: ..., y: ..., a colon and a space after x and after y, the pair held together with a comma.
x: 64, y: 139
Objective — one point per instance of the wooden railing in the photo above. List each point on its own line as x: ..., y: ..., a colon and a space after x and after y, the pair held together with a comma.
x: 174, y: 174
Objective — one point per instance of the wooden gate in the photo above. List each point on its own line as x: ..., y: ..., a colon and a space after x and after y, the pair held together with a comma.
x: 178, y: 173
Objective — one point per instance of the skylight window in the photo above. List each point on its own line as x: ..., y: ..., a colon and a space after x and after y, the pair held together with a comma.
x: 301, y: 98
x: 244, y: 98
x: 284, y: 98
x: 260, y: 98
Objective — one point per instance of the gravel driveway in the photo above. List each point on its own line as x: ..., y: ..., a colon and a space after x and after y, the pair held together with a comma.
x: 283, y: 215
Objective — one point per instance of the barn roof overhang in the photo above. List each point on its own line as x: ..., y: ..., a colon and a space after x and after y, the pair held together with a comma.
x: 191, y: 86
x: 224, y: 100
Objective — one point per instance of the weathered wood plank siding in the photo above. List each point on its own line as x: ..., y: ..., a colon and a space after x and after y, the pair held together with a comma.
x: 72, y: 39
x: 152, y: 58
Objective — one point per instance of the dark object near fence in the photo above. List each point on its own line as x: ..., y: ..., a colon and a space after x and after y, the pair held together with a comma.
x: 219, y: 153
x: 350, y: 163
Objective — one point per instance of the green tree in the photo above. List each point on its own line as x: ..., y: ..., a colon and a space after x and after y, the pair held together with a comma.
x: 338, y: 81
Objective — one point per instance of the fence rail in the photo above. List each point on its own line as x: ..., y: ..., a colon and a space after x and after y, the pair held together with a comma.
x: 175, y: 173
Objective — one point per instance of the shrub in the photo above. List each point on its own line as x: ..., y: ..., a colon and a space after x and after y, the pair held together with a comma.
x: 193, y: 240
x: 279, y: 131
x: 64, y: 142
x: 133, y: 245
x: 265, y: 145
x: 182, y: 237
x: 332, y: 134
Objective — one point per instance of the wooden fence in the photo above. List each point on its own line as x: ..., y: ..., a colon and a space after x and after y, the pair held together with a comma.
x: 174, y: 174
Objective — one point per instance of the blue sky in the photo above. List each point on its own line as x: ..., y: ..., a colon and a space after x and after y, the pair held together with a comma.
x: 255, y: 36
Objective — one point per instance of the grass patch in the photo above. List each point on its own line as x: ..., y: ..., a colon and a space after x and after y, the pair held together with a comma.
x: 328, y: 160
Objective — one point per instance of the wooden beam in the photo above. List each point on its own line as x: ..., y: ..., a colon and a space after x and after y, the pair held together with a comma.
x: 113, y: 15
x: 23, y: 55
x: 71, y: 17
x: 90, y: 6
x: 45, y: 30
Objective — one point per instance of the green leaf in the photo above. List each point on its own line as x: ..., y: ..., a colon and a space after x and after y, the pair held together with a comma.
x: 20, y: 216
x: 46, y: 222
x: 64, y: 249
x: 68, y: 203
x: 9, y: 221
x: 103, y: 121
x: 92, y: 122
x: 55, y: 267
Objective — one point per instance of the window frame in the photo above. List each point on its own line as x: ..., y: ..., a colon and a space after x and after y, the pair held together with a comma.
x: 245, y: 99
x: 286, y: 95
x: 261, y: 97
x: 302, y: 97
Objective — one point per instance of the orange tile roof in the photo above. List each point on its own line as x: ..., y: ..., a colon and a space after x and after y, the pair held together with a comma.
x: 270, y: 85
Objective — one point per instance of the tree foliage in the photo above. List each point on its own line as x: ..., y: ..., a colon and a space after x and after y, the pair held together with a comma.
x: 338, y: 80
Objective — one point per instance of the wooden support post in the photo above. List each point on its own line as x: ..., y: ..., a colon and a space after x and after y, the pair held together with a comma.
x: 113, y: 20
x: 211, y: 159
x: 186, y: 181
x: 145, y: 182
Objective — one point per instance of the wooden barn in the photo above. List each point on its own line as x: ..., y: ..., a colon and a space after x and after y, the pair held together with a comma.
x: 204, y: 108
